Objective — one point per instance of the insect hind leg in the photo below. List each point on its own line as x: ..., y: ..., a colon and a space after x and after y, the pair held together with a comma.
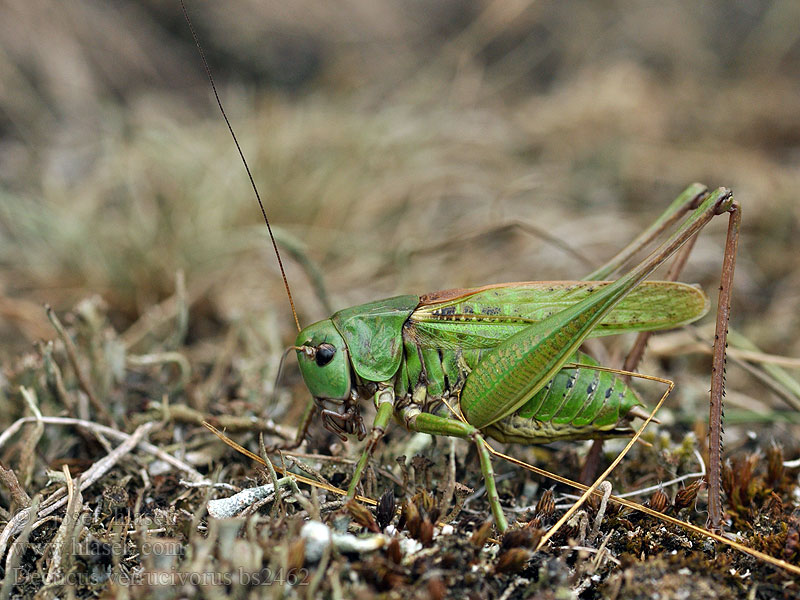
x: 688, y: 199
x: 682, y: 204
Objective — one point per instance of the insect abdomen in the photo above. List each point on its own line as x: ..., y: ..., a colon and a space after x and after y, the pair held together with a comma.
x: 575, y: 404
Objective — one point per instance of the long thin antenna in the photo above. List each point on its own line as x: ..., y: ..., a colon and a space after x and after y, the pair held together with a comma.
x: 244, y: 161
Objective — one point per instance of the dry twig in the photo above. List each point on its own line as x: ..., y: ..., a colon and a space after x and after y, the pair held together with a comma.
x: 59, y: 498
x: 72, y: 355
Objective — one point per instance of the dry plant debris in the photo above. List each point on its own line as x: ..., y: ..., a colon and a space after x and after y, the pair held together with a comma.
x: 127, y: 505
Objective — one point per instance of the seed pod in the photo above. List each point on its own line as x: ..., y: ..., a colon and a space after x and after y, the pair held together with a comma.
x: 410, y: 517
x: 437, y: 589
x: 517, y: 538
x: 686, y: 497
x: 512, y: 561
x: 394, y: 552
x: 658, y: 501
x: 362, y: 515
x: 546, y: 505
x: 385, y: 511
x: 481, y: 534
x: 425, y: 536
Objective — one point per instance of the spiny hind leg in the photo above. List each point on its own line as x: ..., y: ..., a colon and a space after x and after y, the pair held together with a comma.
x: 682, y: 204
x: 718, y: 369
x: 686, y: 201
x: 689, y: 199
x: 718, y: 364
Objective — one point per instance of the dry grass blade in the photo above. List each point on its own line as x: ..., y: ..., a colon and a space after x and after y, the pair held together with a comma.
x: 72, y: 353
x: 190, y: 471
x: 60, y: 543
x: 18, y: 494
x: 28, y: 450
x: 281, y: 470
x: 794, y: 569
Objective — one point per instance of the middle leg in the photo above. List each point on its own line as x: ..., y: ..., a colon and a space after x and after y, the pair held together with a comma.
x: 436, y: 425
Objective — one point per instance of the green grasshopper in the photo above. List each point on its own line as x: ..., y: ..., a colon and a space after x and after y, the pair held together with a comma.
x: 508, y: 355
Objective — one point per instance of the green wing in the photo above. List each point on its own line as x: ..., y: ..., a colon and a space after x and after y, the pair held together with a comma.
x: 483, y: 317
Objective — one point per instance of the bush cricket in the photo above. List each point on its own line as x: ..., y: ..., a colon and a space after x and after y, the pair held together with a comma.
x: 503, y: 361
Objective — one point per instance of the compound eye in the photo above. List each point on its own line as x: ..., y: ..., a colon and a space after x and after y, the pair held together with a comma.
x: 324, y: 354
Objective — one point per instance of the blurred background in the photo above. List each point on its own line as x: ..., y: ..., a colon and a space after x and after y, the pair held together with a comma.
x: 393, y: 143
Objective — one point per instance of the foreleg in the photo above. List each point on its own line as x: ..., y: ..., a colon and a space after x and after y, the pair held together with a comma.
x: 384, y: 402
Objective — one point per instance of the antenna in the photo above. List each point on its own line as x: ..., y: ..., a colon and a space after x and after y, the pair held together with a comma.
x: 244, y: 161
